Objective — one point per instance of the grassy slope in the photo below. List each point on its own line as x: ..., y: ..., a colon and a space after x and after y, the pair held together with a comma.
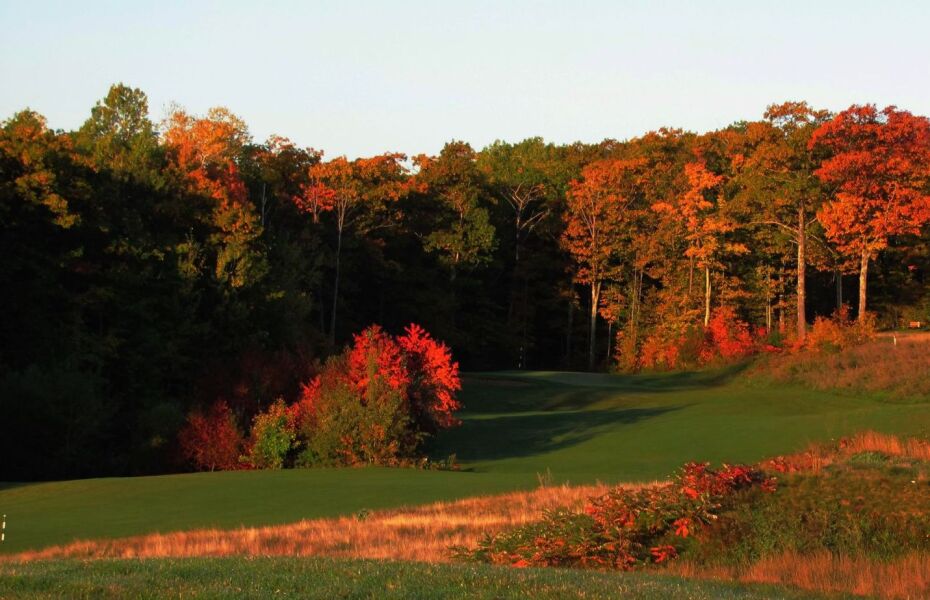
x: 322, y: 578
x: 580, y: 427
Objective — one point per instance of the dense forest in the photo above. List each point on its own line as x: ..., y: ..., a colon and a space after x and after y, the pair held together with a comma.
x: 152, y: 268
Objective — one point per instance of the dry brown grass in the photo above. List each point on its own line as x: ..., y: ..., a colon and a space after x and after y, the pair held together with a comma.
x: 897, y: 371
x: 905, y: 577
x: 819, y: 456
x: 422, y: 533
x: 892, y: 445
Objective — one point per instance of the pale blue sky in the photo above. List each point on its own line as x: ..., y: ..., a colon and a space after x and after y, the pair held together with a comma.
x: 359, y: 78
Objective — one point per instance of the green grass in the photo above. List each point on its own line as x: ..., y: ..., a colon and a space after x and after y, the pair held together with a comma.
x: 323, y: 578
x: 578, y: 427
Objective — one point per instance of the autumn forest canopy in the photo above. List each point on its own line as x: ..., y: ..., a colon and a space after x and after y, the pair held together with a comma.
x: 157, y: 270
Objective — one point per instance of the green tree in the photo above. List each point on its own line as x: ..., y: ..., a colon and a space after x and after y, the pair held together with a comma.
x: 120, y: 136
x: 462, y: 235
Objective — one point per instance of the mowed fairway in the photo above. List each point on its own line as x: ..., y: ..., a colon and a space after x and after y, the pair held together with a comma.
x: 517, y: 427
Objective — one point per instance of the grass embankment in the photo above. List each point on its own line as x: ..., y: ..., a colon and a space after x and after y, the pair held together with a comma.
x: 893, y: 366
x: 850, y: 517
x: 517, y: 426
x: 847, y: 518
x: 325, y: 578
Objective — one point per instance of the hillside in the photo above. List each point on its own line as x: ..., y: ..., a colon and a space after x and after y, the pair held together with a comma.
x: 517, y: 427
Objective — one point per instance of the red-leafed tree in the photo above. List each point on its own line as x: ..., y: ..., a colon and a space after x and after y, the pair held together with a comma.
x: 378, y: 400
x: 433, y: 379
x: 598, y: 221
x: 374, y: 353
x: 880, y: 169
x: 211, y: 440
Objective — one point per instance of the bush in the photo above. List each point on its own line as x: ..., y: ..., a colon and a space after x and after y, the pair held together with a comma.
x: 839, y: 332
x: 629, y: 529
x: 378, y: 401
x: 865, y: 496
x: 726, y: 338
x: 670, y: 346
x: 433, y: 380
x: 343, y: 428
x: 273, y: 436
x: 212, y: 440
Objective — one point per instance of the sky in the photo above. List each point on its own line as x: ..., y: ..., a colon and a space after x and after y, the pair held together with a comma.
x: 360, y: 78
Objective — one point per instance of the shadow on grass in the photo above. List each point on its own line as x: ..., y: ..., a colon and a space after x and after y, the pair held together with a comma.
x: 522, y: 435
x: 641, y: 382
x: 9, y: 485
x: 514, y: 391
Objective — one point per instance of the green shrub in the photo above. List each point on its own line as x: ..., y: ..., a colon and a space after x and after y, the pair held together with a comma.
x: 341, y: 430
x: 272, y: 438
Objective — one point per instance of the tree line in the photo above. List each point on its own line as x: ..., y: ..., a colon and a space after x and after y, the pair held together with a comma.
x: 152, y: 268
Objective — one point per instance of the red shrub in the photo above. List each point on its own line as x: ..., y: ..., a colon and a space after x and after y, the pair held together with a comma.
x: 396, y: 391
x: 375, y: 353
x: 211, y: 440
x: 726, y: 337
x: 434, y: 379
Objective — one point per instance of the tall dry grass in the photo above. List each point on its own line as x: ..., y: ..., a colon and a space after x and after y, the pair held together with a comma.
x: 819, y: 456
x: 420, y: 533
x: 892, y: 445
x: 897, y: 370
x: 905, y: 577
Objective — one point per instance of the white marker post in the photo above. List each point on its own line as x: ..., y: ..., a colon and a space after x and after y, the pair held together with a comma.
x: 3, y: 530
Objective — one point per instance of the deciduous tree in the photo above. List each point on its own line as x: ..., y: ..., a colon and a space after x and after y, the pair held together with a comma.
x: 879, y: 169
x: 775, y: 173
x: 597, y: 222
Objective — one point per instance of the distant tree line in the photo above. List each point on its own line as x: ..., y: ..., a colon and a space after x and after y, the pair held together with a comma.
x: 151, y: 269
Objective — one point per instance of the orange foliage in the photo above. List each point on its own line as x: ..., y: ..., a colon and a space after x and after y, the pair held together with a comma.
x: 597, y: 214
x: 726, y: 338
x: 839, y: 332
x: 205, y: 151
x: 696, y: 212
x: 880, y: 167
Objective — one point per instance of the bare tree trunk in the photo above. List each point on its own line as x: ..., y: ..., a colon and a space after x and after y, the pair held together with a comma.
x: 523, y: 333
x: 634, y: 305
x: 322, y: 309
x: 568, y: 332
x: 863, y: 283
x: 802, y: 274
x: 332, y: 320
x: 838, y: 278
x: 768, y: 301
x: 610, y: 327
x: 592, y: 336
x: 690, y: 276
x: 706, y: 295
x: 781, y: 315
